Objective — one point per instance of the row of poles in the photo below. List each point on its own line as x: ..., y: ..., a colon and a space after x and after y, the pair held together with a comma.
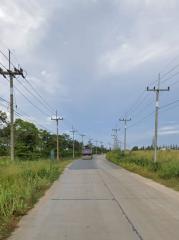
x: 12, y: 73
x: 115, y: 131
x: 73, y: 131
x: 157, y: 91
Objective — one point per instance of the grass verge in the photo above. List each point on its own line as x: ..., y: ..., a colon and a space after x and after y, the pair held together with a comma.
x: 21, y: 185
x: 165, y: 171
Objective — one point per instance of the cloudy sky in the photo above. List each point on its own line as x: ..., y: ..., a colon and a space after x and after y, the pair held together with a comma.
x: 92, y: 60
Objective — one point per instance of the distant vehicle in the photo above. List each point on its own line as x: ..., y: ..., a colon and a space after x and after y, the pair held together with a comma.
x: 87, y: 153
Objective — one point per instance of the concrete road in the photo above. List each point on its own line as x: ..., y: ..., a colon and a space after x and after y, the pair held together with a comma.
x: 95, y: 200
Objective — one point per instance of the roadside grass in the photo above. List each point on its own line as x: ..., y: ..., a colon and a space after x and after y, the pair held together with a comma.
x: 22, y: 183
x: 165, y: 171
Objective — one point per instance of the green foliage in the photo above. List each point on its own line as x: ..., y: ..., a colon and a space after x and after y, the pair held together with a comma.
x: 135, y: 148
x: 21, y: 184
x: 3, y: 117
x: 26, y: 139
x: 169, y: 170
x: 31, y: 142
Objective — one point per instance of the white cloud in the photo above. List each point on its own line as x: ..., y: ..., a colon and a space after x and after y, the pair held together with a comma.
x: 128, y: 56
x: 65, y: 44
x: 147, y: 33
x: 22, y: 23
x: 169, y: 130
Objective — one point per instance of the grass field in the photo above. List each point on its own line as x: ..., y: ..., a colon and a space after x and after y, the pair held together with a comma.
x: 21, y: 185
x: 165, y: 171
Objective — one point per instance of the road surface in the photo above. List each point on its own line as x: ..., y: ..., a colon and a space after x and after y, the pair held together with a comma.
x: 96, y: 200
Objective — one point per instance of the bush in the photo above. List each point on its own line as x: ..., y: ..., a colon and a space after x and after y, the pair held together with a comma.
x: 169, y: 170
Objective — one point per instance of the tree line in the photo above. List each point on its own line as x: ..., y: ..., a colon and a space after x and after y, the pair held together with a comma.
x: 162, y: 147
x: 32, y: 142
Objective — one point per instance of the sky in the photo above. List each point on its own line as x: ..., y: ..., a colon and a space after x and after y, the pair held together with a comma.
x: 92, y: 60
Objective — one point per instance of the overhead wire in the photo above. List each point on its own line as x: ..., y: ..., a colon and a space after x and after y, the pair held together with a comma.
x: 41, y: 111
x: 33, y: 95
x: 28, y: 117
x: 40, y: 96
x: 140, y: 120
x: 33, y: 92
x: 133, y: 109
x: 171, y: 70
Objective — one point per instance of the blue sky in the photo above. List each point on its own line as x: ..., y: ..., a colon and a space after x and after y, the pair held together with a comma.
x: 92, y: 60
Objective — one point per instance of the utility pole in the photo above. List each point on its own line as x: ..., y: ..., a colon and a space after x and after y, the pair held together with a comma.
x: 101, y: 147
x: 57, y: 119
x: 115, y: 137
x: 73, y: 131
x: 82, y: 137
x: 96, y: 147
x: 125, y: 120
x: 12, y: 74
x: 91, y: 144
x: 157, y: 91
x: 109, y: 144
x: 119, y: 143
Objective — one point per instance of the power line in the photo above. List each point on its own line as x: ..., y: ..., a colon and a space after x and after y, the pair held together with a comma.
x: 73, y: 131
x: 57, y: 119
x: 50, y: 108
x: 133, y: 108
x: 42, y: 101
x: 28, y: 117
x: 171, y: 70
x: 33, y: 95
x: 7, y: 58
x: 11, y: 74
x: 41, y: 111
x: 125, y: 120
x: 169, y: 104
x: 4, y: 100
x: 157, y: 92
x: 151, y: 113
x: 174, y: 75
x: 28, y: 100
x: 140, y: 120
x: 115, y: 138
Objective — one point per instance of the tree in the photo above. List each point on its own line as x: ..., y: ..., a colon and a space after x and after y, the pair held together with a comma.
x: 31, y: 142
x: 26, y: 139
x: 4, y: 134
x: 3, y: 117
x: 135, y: 148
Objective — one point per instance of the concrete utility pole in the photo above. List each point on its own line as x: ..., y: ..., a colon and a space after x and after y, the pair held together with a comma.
x: 96, y: 147
x: 115, y: 137
x: 125, y: 120
x: 82, y: 137
x: 73, y: 131
x: 57, y: 119
x: 119, y: 143
x: 101, y: 147
x: 109, y: 144
x: 91, y: 144
x: 157, y: 91
x: 12, y: 74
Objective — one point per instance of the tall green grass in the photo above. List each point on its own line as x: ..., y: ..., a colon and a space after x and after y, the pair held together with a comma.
x: 166, y: 170
x: 21, y: 184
